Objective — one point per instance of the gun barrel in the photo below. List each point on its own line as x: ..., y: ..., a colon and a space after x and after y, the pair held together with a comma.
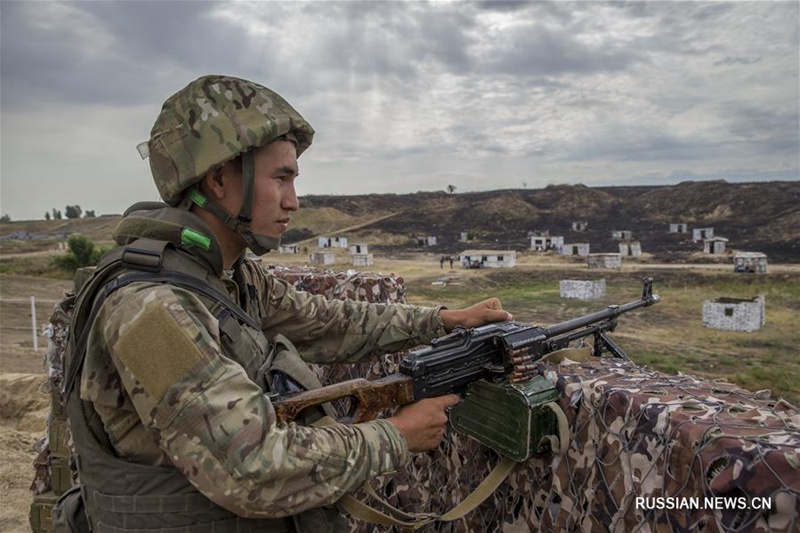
x: 612, y: 311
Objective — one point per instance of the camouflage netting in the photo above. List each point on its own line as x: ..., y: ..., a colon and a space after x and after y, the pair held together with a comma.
x: 642, y: 444
x: 671, y: 441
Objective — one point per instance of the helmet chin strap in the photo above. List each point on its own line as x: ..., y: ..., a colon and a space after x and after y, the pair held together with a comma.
x: 258, y: 244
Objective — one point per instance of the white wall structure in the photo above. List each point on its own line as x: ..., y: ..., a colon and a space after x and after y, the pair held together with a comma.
x: 359, y: 249
x: 630, y: 248
x: 734, y: 314
x: 582, y: 290
x: 678, y: 228
x: 605, y: 261
x: 754, y: 262
x: 362, y: 259
x: 546, y: 242
x: 332, y: 242
x: 579, y: 248
x: 715, y: 245
x: 698, y: 234
x: 487, y: 258
x: 580, y: 226
x: 322, y: 258
x: 621, y: 235
x: 288, y: 249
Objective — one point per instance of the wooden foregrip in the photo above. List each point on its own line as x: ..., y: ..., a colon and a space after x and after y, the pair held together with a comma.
x: 368, y: 398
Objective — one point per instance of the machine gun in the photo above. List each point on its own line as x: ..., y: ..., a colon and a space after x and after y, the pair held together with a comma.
x: 492, y: 367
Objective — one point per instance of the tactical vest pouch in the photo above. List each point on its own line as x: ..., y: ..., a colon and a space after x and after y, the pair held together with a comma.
x: 69, y: 513
x: 515, y: 420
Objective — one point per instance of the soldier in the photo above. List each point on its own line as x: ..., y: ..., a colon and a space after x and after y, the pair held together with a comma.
x: 169, y: 400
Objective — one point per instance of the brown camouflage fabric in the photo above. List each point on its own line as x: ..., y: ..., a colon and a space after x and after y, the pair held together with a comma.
x: 669, y: 440
x: 636, y: 433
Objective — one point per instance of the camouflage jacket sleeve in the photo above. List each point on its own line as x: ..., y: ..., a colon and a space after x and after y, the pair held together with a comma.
x: 209, y: 419
x: 328, y: 331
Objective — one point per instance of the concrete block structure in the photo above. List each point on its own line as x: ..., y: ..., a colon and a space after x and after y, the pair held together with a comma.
x: 322, y: 258
x: 580, y: 249
x: 288, y: 249
x: 487, y: 258
x: 362, y: 260
x: 582, y: 290
x: 542, y: 243
x: 332, y: 242
x: 698, y: 234
x: 630, y: 249
x: 753, y: 262
x: 580, y: 226
x: 426, y: 240
x: 734, y: 314
x: 715, y: 245
x: 622, y: 235
x: 359, y: 249
x: 608, y: 260
x: 678, y: 228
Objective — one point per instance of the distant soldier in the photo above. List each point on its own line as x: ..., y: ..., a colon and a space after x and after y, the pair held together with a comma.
x: 179, y: 340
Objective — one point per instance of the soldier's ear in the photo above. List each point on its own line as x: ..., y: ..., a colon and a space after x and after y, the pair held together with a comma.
x: 214, y: 182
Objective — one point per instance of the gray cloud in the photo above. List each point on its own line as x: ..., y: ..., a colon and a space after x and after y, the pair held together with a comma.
x: 423, y: 94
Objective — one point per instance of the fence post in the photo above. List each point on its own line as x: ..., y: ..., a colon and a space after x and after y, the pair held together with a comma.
x: 33, y: 324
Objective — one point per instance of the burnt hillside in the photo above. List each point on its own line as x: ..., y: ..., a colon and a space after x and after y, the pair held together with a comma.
x: 763, y: 217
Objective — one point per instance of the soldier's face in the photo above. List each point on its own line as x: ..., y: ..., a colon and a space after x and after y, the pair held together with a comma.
x: 274, y: 196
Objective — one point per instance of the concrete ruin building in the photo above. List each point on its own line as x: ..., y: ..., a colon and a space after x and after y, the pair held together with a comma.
x: 428, y: 240
x: 698, y: 234
x: 630, y: 249
x: 752, y: 262
x: 580, y: 226
x: 734, y: 314
x: 582, y: 290
x: 715, y: 245
x: 679, y: 228
x: 288, y: 249
x: 360, y: 255
x: 487, y: 258
x: 332, y: 242
x: 621, y: 235
x: 322, y: 258
x: 542, y: 243
x: 580, y: 249
x: 606, y: 260
x: 362, y: 260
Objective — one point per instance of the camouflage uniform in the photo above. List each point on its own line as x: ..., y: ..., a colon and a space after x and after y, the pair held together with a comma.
x: 168, y: 394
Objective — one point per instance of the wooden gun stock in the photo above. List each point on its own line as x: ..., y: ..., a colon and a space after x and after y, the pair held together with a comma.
x: 367, y: 398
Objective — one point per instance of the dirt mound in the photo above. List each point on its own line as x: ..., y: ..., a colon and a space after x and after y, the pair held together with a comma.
x: 24, y: 404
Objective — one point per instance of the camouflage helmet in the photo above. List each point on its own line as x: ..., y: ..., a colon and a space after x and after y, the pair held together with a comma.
x: 211, y: 121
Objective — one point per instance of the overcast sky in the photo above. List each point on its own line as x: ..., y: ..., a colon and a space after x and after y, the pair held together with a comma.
x: 407, y: 96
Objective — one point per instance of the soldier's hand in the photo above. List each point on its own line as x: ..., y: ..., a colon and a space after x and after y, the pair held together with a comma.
x: 481, y: 313
x: 422, y: 423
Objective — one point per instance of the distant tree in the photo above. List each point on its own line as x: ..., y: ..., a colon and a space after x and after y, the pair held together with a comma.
x: 524, y: 184
x: 73, y: 211
x: 451, y: 189
x: 56, y: 214
x: 81, y: 252
x: 5, y: 218
x: 47, y: 215
x: 89, y: 214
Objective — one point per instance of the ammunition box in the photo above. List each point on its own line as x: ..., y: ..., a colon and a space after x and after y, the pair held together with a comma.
x: 511, y: 419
